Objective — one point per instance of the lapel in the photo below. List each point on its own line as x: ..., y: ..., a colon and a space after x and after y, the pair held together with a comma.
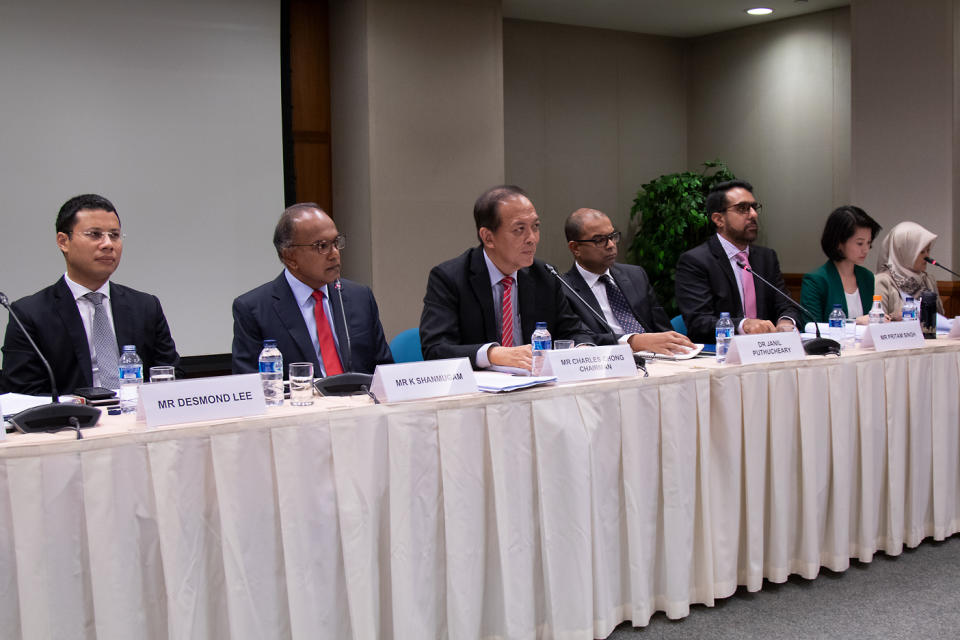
x: 66, y: 308
x: 288, y: 313
x: 339, y: 328
x: 834, y: 289
x: 527, y: 295
x: 480, y: 283
x: 122, y: 315
x: 723, y: 264
x: 575, y: 279
x: 630, y: 292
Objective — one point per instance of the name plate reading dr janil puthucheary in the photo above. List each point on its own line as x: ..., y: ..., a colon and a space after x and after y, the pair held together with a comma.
x: 590, y: 363
x: 419, y: 380
x: 766, y: 347
x: 888, y: 336
x: 218, y: 398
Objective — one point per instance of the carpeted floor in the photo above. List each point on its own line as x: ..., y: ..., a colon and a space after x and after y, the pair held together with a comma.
x: 913, y: 595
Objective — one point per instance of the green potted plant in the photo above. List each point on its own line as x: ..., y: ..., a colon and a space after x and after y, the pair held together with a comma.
x: 668, y: 214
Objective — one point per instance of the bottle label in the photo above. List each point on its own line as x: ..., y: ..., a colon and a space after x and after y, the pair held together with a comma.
x: 131, y: 372
x: 836, y: 322
x: 271, y: 366
x: 542, y: 344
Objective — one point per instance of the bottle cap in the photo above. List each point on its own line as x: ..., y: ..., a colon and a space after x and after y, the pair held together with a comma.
x: 541, y: 325
x: 837, y: 306
x: 877, y: 298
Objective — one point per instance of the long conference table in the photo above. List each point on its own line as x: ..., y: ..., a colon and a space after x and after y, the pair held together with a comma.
x: 555, y: 512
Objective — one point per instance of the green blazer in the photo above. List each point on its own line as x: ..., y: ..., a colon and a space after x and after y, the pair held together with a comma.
x: 821, y: 289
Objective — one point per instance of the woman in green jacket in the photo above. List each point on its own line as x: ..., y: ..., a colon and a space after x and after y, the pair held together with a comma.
x: 847, y: 238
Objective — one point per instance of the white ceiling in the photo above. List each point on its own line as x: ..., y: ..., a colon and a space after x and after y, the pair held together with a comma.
x: 678, y: 18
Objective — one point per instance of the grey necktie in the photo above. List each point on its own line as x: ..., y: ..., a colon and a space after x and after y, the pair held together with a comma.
x: 104, y: 344
x: 620, y: 306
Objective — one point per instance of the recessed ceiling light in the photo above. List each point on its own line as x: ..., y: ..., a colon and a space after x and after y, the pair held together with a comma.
x: 759, y: 11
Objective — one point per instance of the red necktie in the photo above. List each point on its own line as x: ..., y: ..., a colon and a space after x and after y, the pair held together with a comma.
x: 328, y: 348
x: 506, y: 314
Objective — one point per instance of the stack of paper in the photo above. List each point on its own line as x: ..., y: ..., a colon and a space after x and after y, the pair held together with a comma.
x: 496, y: 382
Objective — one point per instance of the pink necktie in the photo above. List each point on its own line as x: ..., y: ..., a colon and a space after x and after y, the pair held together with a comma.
x: 749, y: 293
x: 506, y: 314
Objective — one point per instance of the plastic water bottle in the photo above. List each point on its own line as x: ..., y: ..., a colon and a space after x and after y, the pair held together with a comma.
x: 876, y: 311
x: 541, y: 342
x: 909, y: 309
x: 837, y: 321
x: 271, y: 373
x: 130, y: 370
x: 724, y: 336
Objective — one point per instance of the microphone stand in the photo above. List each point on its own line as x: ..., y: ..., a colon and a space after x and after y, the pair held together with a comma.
x: 932, y: 261
x: 639, y: 360
x: 349, y: 382
x: 819, y: 346
x: 53, y: 416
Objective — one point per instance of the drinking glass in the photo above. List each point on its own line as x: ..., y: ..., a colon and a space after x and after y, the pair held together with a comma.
x: 563, y: 344
x: 161, y: 374
x: 301, y: 384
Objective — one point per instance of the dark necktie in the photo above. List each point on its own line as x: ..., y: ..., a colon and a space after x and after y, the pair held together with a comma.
x: 104, y: 345
x: 328, y: 348
x: 620, y: 307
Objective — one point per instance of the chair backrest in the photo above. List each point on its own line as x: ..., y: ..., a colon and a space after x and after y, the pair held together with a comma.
x: 678, y: 324
x: 405, y: 346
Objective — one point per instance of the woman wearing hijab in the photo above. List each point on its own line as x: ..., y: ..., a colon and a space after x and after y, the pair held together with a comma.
x: 847, y: 238
x: 901, y: 269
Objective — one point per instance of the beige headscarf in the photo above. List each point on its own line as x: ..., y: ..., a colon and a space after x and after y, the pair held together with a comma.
x: 899, y: 251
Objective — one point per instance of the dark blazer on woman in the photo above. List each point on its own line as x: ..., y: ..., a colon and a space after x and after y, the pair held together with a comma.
x: 821, y: 289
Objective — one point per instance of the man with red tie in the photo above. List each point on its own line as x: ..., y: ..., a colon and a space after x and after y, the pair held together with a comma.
x: 709, y: 280
x: 308, y: 309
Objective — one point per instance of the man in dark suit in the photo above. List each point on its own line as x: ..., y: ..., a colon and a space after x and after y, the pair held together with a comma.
x: 79, y: 321
x: 485, y: 303
x: 619, y: 293
x: 305, y: 307
x: 708, y: 280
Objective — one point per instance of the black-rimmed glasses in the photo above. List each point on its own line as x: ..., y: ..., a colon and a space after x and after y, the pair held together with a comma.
x: 323, y: 247
x: 601, y: 241
x: 743, y: 208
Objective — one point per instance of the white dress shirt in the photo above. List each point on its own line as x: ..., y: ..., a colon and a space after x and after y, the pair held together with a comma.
x: 87, y: 309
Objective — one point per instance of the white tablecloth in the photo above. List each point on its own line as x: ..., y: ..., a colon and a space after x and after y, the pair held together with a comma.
x: 550, y: 513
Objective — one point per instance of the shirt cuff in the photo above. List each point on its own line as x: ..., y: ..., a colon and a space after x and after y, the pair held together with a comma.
x: 483, y: 361
x: 625, y: 339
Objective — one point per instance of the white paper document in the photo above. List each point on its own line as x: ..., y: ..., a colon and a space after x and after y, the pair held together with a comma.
x: 496, y: 382
x: 692, y: 353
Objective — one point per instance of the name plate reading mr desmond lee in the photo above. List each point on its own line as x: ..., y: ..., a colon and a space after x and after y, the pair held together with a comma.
x: 766, y: 347
x: 418, y: 380
x: 888, y: 336
x: 590, y: 363
x: 182, y: 401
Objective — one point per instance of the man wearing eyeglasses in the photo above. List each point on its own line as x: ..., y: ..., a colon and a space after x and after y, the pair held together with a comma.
x: 79, y: 322
x: 709, y: 280
x: 308, y: 309
x: 621, y: 293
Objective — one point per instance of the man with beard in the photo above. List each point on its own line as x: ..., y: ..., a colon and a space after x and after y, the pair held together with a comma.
x: 708, y: 280
x: 620, y: 293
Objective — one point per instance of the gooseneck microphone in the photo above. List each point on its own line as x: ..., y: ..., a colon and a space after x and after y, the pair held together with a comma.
x: 349, y: 382
x: 49, y: 416
x: 819, y: 346
x: 932, y: 261
x: 640, y: 361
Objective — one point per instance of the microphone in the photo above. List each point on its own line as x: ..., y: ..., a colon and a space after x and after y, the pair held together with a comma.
x: 53, y: 415
x: 932, y: 261
x: 637, y: 358
x: 349, y: 382
x: 819, y: 346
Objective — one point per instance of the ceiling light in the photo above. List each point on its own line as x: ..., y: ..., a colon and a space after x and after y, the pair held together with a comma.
x: 759, y: 11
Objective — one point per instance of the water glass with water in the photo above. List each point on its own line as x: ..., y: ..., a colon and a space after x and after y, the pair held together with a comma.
x: 301, y: 384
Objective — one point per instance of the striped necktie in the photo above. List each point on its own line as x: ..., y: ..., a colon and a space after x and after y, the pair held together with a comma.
x: 105, y: 362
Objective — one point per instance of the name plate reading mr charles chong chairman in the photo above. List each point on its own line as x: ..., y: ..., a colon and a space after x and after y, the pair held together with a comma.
x: 419, y: 380
x: 590, y: 363
x: 219, y: 398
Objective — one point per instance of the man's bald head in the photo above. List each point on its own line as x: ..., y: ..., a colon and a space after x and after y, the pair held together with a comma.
x: 573, y: 227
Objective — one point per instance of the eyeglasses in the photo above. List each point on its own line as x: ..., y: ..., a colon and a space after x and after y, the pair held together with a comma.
x: 601, y: 241
x: 743, y: 208
x: 95, y: 235
x: 323, y: 247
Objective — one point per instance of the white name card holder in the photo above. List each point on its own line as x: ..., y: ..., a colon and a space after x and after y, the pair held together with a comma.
x: 589, y: 363
x: 181, y: 401
x: 753, y: 348
x: 888, y: 336
x: 419, y: 380
x: 954, y: 328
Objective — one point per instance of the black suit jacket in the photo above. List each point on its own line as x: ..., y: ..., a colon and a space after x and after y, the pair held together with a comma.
x: 458, y: 315
x: 270, y: 311
x: 53, y: 320
x: 705, y: 287
x: 636, y: 288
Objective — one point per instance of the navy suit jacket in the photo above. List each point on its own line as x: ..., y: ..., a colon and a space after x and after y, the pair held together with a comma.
x: 705, y: 287
x: 270, y: 311
x: 458, y: 315
x: 636, y: 288
x: 53, y: 321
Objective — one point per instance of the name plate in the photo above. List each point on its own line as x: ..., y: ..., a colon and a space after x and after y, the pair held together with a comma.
x: 954, y: 328
x: 752, y: 348
x: 218, y: 398
x: 419, y: 380
x: 893, y: 335
x: 589, y: 363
